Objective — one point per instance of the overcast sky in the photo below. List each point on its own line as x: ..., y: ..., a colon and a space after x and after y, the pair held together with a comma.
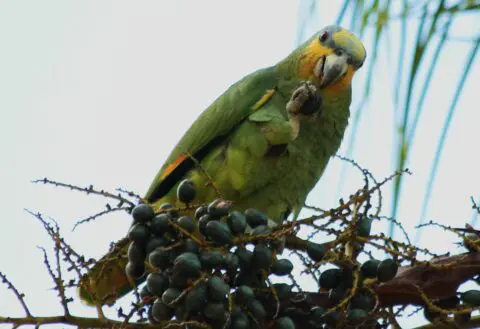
x: 97, y: 93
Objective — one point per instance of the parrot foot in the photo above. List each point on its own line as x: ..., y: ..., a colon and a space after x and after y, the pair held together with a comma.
x: 305, y: 100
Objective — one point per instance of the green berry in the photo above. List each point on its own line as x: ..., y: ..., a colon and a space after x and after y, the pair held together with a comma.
x: 186, y: 191
x: 387, y: 269
x: 255, y: 217
x: 237, y: 222
x: 142, y: 213
x: 330, y: 278
x: 282, y: 267
x: 315, y: 251
x: 219, y: 232
x: 369, y: 269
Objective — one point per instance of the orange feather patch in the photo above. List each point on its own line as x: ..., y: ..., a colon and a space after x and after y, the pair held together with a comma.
x: 171, y: 167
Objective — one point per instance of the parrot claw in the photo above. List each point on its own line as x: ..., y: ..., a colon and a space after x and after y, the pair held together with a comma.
x: 305, y: 100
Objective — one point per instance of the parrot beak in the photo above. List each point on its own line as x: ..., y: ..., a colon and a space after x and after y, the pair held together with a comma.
x: 331, y: 68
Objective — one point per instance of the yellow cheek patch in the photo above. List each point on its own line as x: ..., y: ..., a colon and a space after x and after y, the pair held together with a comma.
x: 310, y: 57
x: 263, y: 100
x: 171, y: 167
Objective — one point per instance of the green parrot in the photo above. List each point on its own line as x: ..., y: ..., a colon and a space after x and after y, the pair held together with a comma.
x: 264, y: 143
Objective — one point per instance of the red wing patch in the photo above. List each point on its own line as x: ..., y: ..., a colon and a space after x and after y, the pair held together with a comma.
x: 171, y: 167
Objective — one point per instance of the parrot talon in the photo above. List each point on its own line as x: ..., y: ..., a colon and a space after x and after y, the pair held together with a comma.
x: 305, y: 100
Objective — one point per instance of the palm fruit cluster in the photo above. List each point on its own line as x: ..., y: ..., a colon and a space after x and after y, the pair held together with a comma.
x: 198, y: 270
x: 216, y: 267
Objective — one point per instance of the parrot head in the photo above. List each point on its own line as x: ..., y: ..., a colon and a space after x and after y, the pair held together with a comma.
x: 329, y: 58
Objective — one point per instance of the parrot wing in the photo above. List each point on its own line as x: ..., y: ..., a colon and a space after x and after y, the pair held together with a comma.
x: 213, y: 126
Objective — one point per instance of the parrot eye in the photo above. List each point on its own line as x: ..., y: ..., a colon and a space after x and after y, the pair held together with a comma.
x: 324, y: 36
x: 338, y: 52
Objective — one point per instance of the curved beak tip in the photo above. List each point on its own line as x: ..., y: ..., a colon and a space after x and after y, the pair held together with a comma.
x: 333, y: 68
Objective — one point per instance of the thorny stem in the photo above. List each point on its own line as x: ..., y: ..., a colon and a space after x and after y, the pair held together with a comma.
x: 19, y: 295
x: 88, y: 190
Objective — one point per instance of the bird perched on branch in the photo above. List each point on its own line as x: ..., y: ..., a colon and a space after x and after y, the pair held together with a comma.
x: 262, y: 144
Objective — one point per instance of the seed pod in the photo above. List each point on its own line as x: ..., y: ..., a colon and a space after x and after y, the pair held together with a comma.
x: 192, y: 246
x: 159, y: 224
x: 157, y: 283
x: 330, y: 278
x: 214, y: 311
x: 332, y: 319
x: 369, y: 269
x: 237, y: 222
x: 145, y: 292
x: 244, y: 256
x: 170, y: 295
x: 218, y: 208
x: 179, y: 281
x: 356, y: 316
x: 136, y: 253
x: 262, y: 256
x: 255, y: 217
x: 160, y: 258
x: 240, y: 321
x: 170, y: 209
x: 187, y: 263
x: 243, y: 294
x: 197, y: 298
x: 187, y: 223
x: 232, y: 263
x: 202, y: 223
x: 186, y: 191
x: 160, y: 311
x: 316, y: 315
x: 261, y: 230
x: 315, y: 251
x: 364, y: 226
x: 338, y: 293
x: 138, y: 233
x: 471, y: 297
x: 387, y: 269
x: 142, y: 213
x: 362, y: 300
x: 135, y: 271
x: 282, y: 267
x: 217, y: 288
x: 257, y: 309
x: 155, y: 242
x: 284, y: 323
x: 283, y: 290
x: 219, y: 232
x: 200, y: 211
x: 181, y: 312
x: 211, y: 259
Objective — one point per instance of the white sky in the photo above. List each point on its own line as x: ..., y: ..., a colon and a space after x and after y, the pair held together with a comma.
x: 97, y: 93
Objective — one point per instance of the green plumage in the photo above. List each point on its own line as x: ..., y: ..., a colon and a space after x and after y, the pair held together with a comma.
x: 240, y: 164
x: 247, y: 145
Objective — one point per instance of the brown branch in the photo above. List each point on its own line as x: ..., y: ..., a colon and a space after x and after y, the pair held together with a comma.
x: 437, y: 279
x: 20, y: 296
x: 88, y: 190
x: 83, y: 322
x: 109, y: 210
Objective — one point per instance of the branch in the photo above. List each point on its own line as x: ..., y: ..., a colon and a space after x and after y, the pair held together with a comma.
x: 83, y: 322
x: 88, y: 190
x: 20, y: 296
